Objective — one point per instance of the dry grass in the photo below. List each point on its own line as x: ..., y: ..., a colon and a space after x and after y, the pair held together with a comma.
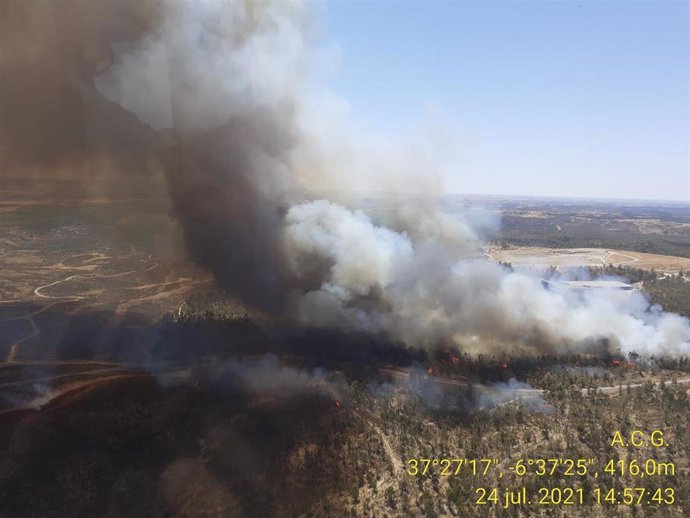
x: 533, y: 256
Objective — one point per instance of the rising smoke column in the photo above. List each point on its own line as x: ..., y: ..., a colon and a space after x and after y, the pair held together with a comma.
x: 234, y: 72
x: 205, y: 91
x: 213, y: 93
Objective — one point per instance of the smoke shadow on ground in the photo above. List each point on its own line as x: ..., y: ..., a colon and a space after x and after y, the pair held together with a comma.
x: 153, y: 451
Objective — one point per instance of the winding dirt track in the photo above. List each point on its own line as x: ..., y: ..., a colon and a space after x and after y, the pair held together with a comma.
x: 14, y: 348
x: 396, y: 463
x: 542, y: 257
x: 12, y: 355
x: 611, y: 254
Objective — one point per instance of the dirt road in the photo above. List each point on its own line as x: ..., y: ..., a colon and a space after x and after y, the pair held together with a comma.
x: 523, y: 392
x: 164, y: 373
x: 534, y: 257
x: 183, y: 284
x: 396, y: 463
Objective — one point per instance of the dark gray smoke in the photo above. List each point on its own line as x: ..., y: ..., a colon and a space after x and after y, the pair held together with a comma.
x: 216, y: 95
x: 203, y: 90
x: 52, y: 117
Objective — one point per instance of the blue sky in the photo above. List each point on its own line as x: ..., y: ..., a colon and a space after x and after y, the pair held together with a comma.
x: 559, y: 98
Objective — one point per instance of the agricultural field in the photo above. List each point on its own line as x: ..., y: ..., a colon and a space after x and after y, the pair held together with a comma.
x: 563, y: 258
x: 659, y: 228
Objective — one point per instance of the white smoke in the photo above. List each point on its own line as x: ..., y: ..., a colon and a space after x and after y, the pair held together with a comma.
x: 255, y: 129
x: 513, y: 391
x: 422, y: 285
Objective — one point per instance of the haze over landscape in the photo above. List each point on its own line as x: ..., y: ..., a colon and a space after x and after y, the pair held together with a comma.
x: 262, y: 258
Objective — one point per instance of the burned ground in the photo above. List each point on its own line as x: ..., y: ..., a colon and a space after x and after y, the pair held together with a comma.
x: 144, y: 393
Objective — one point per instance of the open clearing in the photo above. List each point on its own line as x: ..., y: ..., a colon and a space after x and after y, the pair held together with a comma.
x: 534, y: 256
x: 67, y: 269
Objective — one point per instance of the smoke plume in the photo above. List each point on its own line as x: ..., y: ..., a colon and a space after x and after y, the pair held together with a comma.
x: 267, y: 375
x: 218, y: 96
x: 426, y: 285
